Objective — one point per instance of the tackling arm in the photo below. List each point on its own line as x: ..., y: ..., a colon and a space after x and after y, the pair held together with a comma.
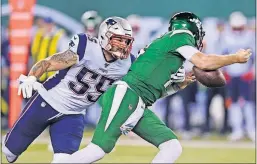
x: 55, y: 62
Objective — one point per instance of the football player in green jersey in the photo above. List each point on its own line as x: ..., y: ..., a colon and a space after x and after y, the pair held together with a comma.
x: 124, y: 105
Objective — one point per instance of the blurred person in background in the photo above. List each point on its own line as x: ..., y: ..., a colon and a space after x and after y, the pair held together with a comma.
x: 5, y: 63
x: 214, y: 29
x: 188, y: 96
x: 252, y: 25
x: 47, y: 40
x: 5, y: 44
x: 4, y: 93
x: 37, y: 27
x: 39, y: 23
x: 143, y: 28
x: 91, y: 21
x: 240, y: 78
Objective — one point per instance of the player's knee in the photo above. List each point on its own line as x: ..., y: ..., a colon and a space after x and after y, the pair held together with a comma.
x: 172, y: 146
x: 60, y: 157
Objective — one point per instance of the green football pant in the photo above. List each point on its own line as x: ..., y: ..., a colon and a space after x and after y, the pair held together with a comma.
x: 123, y: 111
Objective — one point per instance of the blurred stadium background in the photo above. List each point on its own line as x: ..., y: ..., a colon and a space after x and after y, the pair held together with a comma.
x: 214, y: 125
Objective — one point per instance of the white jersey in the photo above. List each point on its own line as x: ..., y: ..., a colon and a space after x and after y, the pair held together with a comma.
x: 73, y: 90
x: 233, y: 41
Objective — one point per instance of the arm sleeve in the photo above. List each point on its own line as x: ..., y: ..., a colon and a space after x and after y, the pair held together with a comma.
x: 78, y: 45
x: 187, y: 51
x: 184, y: 43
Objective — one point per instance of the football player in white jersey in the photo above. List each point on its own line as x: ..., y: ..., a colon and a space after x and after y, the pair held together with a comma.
x: 85, y: 71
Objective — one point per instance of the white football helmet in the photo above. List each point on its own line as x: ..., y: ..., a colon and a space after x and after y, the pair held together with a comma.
x: 115, y: 27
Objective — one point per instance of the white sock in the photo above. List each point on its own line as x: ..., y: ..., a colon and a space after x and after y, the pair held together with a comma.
x: 9, y: 155
x: 235, y: 118
x: 59, y: 156
x: 169, y: 152
x: 89, y: 154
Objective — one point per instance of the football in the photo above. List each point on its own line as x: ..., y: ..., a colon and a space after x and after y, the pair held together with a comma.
x: 212, y: 79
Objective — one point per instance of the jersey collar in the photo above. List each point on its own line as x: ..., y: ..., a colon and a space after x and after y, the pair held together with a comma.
x: 111, y: 61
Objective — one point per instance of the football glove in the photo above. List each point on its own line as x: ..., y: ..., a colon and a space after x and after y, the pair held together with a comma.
x: 26, y: 85
x: 179, y: 76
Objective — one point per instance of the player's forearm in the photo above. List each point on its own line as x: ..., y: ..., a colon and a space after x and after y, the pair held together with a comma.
x: 39, y: 68
x: 217, y: 61
x: 213, y: 62
x: 55, y: 62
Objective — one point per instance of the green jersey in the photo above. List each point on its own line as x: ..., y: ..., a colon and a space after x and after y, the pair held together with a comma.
x: 150, y: 73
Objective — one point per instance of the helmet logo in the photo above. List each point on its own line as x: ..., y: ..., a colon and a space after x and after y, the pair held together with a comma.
x: 110, y: 22
x: 197, y: 22
x: 184, y: 25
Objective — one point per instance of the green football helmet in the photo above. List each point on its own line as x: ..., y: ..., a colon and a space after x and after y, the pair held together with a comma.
x: 191, y: 22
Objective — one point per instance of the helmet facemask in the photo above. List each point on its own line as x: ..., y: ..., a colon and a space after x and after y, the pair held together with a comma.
x: 198, y: 33
x: 119, y: 45
x: 199, y: 39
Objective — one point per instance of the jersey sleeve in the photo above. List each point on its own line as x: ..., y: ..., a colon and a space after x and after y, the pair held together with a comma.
x: 78, y: 45
x: 187, y: 51
x: 185, y: 44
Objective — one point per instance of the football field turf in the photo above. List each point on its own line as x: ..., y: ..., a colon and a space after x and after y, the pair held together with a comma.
x: 193, y: 152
